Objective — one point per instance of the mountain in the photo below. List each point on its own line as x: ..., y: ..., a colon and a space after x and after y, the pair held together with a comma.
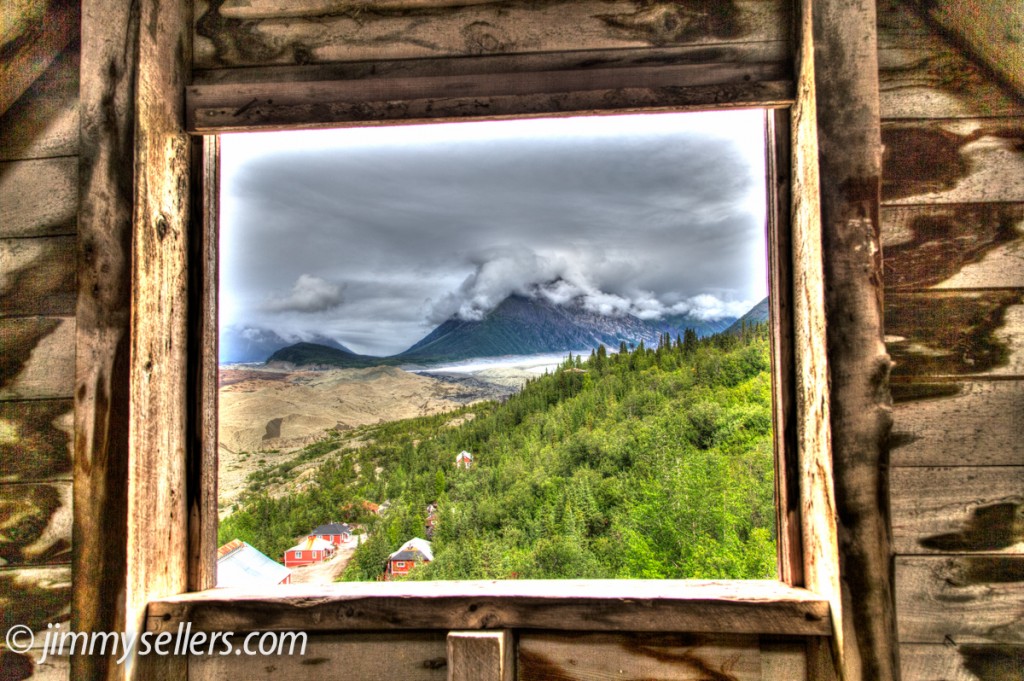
x: 255, y: 344
x: 313, y: 354
x: 755, y: 315
x: 527, y: 326
x: 519, y: 325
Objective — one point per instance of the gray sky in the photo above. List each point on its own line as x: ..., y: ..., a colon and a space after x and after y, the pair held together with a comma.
x: 373, y: 236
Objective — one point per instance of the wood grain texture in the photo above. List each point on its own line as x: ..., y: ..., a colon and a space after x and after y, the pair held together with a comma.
x: 411, y: 656
x: 959, y: 509
x: 37, y: 357
x: 954, y: 333
x: 481, y: 656
x: 107, y: 111
x: 784, y: 661
x: 43, y: 123
x: 953, y: 161
x: 34, y: 597
x: 37, y: 276
x: 817, y: 492
x: 747, y: 606
x: 203, y: 366
x: 32, y: 665
x: 26, y: 55
x: 687, y: 657
x: 330, y: 104
x: 978, y: 425
x: 850, y: 163
x: 35, y: 440
x: 962, y: 599
x: 977, y: 245
x: 158, y: 369
x: 964, y: 662
x: 35, y: 524
x: 233, y: 34
x: 924, y: 75
x: 991, y: 29
x: 38, y: 197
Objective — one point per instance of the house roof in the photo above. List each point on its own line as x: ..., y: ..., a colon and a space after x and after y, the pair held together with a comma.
x: 313, y: 544
x: 414, y: 549
x: 464, y: 455
x: 241, y: 564
x: 332, y: 528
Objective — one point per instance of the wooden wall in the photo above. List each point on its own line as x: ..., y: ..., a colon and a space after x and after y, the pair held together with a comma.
x: 38, y: 244
x: 953, y: 247
x: 953, y: 240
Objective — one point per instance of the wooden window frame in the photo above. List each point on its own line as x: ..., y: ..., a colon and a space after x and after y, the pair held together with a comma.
x: 840, y: 587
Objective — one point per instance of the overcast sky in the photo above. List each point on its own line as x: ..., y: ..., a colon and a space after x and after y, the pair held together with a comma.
x: 373, y: 236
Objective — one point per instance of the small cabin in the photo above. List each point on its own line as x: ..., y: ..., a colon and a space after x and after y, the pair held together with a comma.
x: 310, y: 550
x: 464, y: 460
x: 402, y: 561
x: 242, y: 565
x: 336, y: 533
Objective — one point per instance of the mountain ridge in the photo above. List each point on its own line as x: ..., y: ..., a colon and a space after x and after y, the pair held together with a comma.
x: 519, y: 325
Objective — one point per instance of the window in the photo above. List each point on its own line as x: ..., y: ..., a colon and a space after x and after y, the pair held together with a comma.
x: 467, y: 259
x: 298, y: 555
x: 753, y: 607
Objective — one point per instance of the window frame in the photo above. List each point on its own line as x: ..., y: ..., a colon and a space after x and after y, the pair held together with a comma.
x: 801, y: 605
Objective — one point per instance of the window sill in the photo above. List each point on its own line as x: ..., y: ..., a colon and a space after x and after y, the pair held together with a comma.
x: 737, y: 607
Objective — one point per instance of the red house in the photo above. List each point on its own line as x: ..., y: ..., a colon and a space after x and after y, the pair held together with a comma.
x: 404, y: 559
x: 309, y: 550
x: 336, y: 533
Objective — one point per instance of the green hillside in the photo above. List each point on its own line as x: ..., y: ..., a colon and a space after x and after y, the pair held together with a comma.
x: 643, y: 464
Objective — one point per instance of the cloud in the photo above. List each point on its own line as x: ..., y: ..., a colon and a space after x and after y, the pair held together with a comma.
x: 565, y: 281
x: 308, y: 294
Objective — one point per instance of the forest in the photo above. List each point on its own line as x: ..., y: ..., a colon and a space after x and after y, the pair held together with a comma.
x: 641, y: 463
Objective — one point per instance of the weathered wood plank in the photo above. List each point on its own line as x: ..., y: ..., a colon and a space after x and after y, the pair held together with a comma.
x: 43, y: 123
x: 234, y: 34
x: 35, y: 440
x: 738, y: 54
x: 27, y: 54
x: 34, y: 597
x: 959, y: 509
x: 158, y: 367
x: 993, y: 30
x: 953, y: 161
x: 203, y: 366
x: 783, y: 661
x: 979, y: 245
x: 39, y: 197
x: 748, y: 606
x: 481, y: 656
x: 850, y: 163
x: 37, y: 357
x: 35, y: 524
x: 966, y: 662
x: 37, y: 276
x: 963, y: 599
x: 269, y: 105
x: 955, y: 333
x: 411, y: 656
x: 32, y: 665
x: 685, y: 657
x: 932, y: 79
x: 977, y: 425
x: 108, y: 122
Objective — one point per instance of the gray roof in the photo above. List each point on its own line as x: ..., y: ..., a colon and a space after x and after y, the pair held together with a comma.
x: 332, y: 528
x: 413, y: 549
x: 245, y: 566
